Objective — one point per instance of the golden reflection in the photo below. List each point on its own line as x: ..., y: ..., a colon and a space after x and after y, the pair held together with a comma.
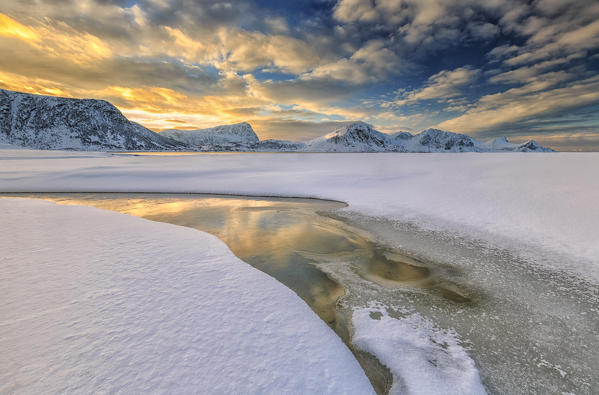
x: 285, y: 238
x: 266, y: 233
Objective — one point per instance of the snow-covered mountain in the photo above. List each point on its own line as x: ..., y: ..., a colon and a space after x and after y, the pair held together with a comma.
x: 435, y: 140
x: 239, y: 136
x: 502, y: 144
x: 46, y: 122
x: 361, y: 137
x: 273, y: 145
x: 355, y: 137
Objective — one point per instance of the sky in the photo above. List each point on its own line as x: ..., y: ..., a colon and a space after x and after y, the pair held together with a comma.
x: 298, y: 69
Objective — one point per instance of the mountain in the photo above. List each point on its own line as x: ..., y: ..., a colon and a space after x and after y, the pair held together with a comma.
x: 46, y: 122
x: 361, y: 137
x: 532, y: 146
x: 502, y: 144
x: 355, y: 137
x: 236, y: 137
x: 435, y: 140
x: 273, y: 145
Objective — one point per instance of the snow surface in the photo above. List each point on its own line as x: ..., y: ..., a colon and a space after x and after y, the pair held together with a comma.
x: 533, y: 202
x: 95, y: 301
x: 427, y: 359
x: 541, y: 205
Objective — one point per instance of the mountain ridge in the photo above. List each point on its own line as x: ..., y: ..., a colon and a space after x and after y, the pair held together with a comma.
x: 357, y: 137
x: 48, y: 122
x: 222, y: 136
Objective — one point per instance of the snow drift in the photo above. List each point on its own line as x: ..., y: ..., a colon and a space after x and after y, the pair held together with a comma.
x: 117, y: 304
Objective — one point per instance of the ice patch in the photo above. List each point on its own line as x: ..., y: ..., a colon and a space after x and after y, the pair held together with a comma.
x: 422, y: 358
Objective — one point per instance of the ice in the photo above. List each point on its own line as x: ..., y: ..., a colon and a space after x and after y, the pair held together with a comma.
x: 96, y: 301
x: 542, y: 206
x: 423, y: 359
x: 536, y: 204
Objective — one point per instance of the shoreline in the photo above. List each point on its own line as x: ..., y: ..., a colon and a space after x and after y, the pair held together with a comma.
x: 448, y: 257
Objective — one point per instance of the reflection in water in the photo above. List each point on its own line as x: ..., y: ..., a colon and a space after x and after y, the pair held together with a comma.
x: 387, y: 268
x: 291, y: 240
x: 285, y: 238
x: 531, y: 331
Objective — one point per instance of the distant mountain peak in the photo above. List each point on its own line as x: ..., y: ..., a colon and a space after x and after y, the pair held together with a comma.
x: 533, y: 146
x: 354, y: 137
x: 223, y: 135
x: 362, y: 137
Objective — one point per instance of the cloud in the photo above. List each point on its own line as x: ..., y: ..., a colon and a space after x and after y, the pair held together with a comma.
x: 197, y: 63
x: 299, y: 91
x: 61, y: 41
x: 277, y: 25
x: 11, y: 28
x: 442, y: 86
x: 424, y: 24
x: 517, y: 104
x: 250, y: 50
x: 373, y: 62
x: 552, y: 29
x: 483, y: 30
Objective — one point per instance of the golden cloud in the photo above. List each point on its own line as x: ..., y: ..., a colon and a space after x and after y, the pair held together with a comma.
x: 61, y: 41
x: 11, y: 28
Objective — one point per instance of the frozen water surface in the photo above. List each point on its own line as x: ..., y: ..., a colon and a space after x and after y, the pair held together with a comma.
x: 422, y: 302
x: 529, y: 329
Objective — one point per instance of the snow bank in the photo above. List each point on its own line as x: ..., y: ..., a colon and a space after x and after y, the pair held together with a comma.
x: 95, y: 301
x: 423, y: 359
x: 545, y: 202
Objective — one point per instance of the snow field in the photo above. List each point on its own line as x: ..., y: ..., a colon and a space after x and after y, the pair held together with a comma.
x: 533, y: 202
x: 96, y: 301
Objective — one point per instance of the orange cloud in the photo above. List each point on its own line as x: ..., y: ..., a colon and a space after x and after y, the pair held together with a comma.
x: 11, y: 28
x: 61, y: 41
x: 37, y: 86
